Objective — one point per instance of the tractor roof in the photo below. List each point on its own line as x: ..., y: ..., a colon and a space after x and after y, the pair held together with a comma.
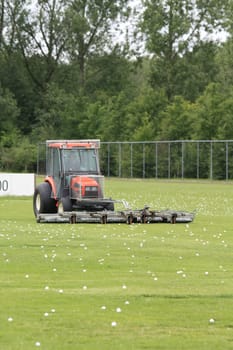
x: 73, y: 143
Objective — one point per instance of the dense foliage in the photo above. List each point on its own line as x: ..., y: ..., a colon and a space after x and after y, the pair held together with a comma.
x: 69, y: 70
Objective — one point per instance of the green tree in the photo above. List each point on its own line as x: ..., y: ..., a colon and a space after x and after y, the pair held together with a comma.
x: 224, y: 60
x: 18, y: 153
x: 172, y: 29
x: 195, y: 70
x: 178, y: 120
x: 226, y: 121
x: 210, y: 113
x: 88, y: 25
x: 10, y: 12
x: 42, y: 39
x: 9, y: 112
x: 109, y: 73
x: 14, y: 78
x: 59, y: 116
x: 224, y: 78
x: 114, y: 118
x: 144, y: 114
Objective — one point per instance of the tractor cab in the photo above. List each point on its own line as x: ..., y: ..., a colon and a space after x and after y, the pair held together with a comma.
x: 73, y: 169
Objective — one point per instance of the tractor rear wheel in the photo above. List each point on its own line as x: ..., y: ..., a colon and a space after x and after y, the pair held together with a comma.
x: 42, y: 201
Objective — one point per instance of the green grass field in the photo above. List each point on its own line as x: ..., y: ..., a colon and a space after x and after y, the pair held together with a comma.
x: 118, y: 286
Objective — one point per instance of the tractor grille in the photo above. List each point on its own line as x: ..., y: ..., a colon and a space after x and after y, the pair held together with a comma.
x: 91, y: 192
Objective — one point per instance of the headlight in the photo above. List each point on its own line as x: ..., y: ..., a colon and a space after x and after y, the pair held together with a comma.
x: 91, y: 188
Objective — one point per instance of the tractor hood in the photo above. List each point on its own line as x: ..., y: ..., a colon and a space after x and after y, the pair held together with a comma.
x: 85, y: 187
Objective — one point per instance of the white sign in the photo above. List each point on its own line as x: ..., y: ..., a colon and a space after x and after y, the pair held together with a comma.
x: 17, y: 184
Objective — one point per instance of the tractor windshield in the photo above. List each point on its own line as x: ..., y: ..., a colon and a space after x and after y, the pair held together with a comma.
x: 80, y: 160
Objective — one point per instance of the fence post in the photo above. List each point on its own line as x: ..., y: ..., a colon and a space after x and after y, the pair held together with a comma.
x: 143, y: 161
x: 38, y: 159
x: 211, y: 160
x: 182, y: 159
x: 131, y: 160
x: 156, y: 160
x: 108, y: 159
x: 227, y: 168
x: 198, y: 159
x: 169, y: 160
x: 119, y: 159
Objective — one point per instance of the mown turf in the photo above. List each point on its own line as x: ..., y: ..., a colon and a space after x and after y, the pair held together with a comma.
x: 63, y: 286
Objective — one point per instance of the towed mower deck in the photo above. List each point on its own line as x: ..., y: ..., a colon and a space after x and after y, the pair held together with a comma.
x: 126, y: 215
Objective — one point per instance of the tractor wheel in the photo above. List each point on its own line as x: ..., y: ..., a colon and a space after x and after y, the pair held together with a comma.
x: 42, y: 201
x: 64, y: 205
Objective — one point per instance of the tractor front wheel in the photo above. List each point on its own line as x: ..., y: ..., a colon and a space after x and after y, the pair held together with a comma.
x: 42, y: 201
x: 64, y: 205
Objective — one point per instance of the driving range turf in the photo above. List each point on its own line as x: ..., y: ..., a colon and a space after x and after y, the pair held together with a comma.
x: 119, y: 286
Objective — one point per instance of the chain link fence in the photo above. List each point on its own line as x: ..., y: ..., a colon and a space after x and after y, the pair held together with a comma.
x: 201, y: 159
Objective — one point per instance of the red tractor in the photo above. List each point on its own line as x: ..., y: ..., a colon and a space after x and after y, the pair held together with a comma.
x: 73, y: 181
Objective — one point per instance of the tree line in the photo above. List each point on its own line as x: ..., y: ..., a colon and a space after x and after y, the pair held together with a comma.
x: 78, y: 69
